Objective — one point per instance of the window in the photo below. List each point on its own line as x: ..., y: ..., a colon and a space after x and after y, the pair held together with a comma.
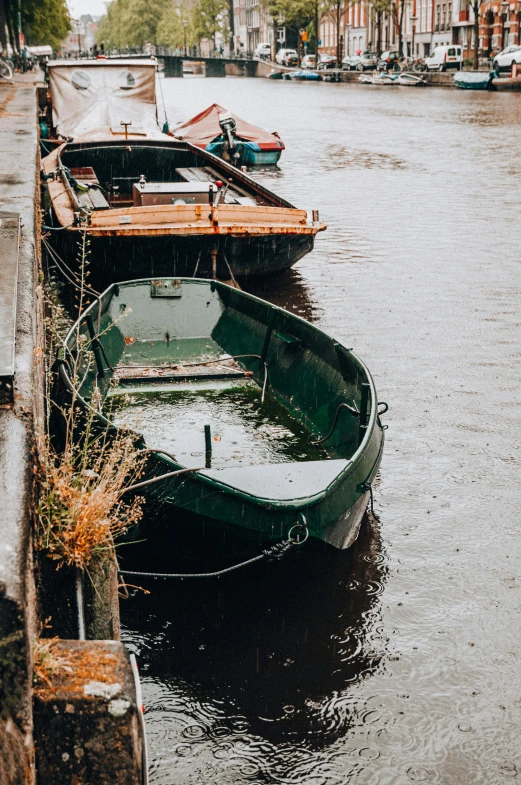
x: 126, y: 80
x: 80, y: 80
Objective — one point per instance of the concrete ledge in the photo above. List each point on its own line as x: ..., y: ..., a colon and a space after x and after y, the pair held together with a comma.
x: 86, y: 719
x: 19, y: 192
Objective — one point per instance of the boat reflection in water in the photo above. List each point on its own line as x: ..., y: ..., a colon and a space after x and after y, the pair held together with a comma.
x: 254, y: 670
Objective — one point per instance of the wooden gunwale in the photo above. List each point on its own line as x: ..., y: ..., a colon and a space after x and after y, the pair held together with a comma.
x: 239, y: 220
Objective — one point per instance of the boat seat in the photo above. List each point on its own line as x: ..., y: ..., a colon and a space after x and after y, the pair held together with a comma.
x: 93, y: 199
x: 154, y: 373
x: 280, y: 481
x: 85, y: 174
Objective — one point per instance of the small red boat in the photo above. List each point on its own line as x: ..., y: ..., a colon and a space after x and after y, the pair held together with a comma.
x: 224, y: 134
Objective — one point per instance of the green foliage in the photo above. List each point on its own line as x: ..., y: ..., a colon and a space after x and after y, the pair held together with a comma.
x: 171, y: 31
x: 295, y: 13
x: 210, y: 17
x: 44, y: 22
x: 134, y: 22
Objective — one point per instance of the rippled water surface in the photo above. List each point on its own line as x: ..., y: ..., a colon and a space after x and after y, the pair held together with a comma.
x: 399, y: 661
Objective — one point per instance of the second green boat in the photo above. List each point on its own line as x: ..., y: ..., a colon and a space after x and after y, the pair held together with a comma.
x: 277, y: 422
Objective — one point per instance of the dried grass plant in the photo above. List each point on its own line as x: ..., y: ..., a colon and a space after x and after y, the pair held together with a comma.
x: 48, y: 662
x: 81, y: 510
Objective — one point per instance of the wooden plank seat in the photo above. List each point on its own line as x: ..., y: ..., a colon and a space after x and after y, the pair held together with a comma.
x: 205, y: 174
x: 134, y: 373
x: 93, y: 199
x: 84, y: 174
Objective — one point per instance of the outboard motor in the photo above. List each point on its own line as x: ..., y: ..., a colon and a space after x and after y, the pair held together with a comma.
x: 230, y: 151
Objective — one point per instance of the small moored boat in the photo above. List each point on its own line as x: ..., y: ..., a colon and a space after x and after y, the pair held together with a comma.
x: 271, y: 421
x: 474, y: 80
x: 384, y: 78
x: 410, y: 80
x: 305, y: 76
x: 151, y: 205
x: 224, y: 134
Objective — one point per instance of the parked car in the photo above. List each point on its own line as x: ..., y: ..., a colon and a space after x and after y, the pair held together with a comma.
x: 286, y: 57
x: 504, y: 60
x: 263, y: 51
x: 309, y: 61
x: 444, y: 57
x: 352, y: 63
x: 326, y: 61
x: 369, y: 60
x: 389, y: 60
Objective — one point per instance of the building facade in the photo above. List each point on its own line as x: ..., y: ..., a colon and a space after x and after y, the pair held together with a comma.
x: 426, y: 24
x: 240, y: 32
x: 499, y: 26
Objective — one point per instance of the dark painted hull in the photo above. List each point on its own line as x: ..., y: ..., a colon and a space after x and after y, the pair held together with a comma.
x: 122, y: 258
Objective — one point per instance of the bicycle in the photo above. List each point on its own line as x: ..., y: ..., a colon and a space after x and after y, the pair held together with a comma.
x: 6, y: 69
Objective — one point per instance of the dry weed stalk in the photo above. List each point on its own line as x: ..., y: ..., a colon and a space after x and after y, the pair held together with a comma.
x: 47, y: 661
x: 80, y: 510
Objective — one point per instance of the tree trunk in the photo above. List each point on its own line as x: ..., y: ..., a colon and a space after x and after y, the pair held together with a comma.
x: 475, y: 8
x: 231, y: 24
x: 379, y: 33
x: 337, y: 10
x: 400, y: 27
x: 317, y: 31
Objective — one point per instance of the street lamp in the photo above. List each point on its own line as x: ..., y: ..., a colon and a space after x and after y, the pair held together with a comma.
x: 185, y: 25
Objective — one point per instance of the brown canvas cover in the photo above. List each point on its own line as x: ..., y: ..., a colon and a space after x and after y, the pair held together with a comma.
x: 91, y: 94
x: 204, y: 128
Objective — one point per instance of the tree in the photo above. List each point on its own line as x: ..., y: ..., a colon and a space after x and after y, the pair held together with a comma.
x: 133, y: 22
x: 44, y: 22
x: 211, y: 17
x: 298, y: 15
x: 172, y: 31
x: 336, y: 10
x: 475, y: 5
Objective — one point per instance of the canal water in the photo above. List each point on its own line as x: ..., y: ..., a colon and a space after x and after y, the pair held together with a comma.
x: 398, y: 661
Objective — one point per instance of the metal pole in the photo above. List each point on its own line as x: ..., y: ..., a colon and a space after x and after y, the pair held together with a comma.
x: 208, y: 446
x: 19, y: 24
x: 364, y: 400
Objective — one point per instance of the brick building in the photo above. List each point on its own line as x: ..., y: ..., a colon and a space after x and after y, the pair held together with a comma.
x: 499, y: 24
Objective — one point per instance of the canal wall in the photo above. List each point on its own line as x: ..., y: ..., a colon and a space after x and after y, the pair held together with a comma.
x: 20, y: 419
x: 94, y: 732
x: 264, y: 68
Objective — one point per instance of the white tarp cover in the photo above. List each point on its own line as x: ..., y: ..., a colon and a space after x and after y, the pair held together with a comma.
x: 93, y: 94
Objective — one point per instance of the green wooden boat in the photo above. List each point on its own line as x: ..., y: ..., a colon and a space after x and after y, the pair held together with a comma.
x: 279, y: 422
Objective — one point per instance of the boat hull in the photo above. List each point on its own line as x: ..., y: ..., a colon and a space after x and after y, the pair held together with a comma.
x: 254, y: 233
x: 119, y: 258
x: 310, y: 375
x: 252, y: 154
x: 335, y: 519
x: 466, y: 80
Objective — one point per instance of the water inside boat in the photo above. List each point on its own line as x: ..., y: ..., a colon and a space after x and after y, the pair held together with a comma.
x: 244, y: 431
x: 168, y: 392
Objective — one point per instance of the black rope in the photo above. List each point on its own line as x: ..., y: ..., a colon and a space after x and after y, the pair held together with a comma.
x: 353, y: 411
x: 366, y: 486
x: 56, y: 228
x: 273, y: 553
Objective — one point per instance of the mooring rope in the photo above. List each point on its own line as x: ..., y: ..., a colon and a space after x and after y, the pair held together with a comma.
x: 271, y: 554
x: 353, y: 411
x: 366, y: 486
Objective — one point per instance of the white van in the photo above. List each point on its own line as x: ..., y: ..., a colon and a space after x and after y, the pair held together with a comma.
x: 444, y: 57
x: 263, y: 51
